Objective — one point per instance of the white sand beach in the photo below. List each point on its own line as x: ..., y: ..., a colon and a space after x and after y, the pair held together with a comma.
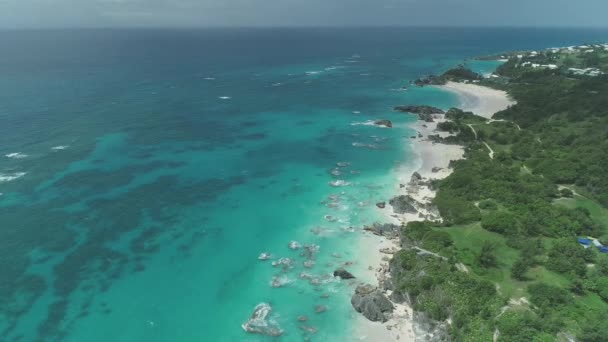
x: 480, y: 100
x: 433, y: 163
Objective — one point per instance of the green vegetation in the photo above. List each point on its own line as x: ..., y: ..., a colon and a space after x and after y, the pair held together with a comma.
x: 510, y: 223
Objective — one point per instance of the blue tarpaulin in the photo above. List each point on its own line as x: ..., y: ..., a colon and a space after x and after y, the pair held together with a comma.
x: 583, y: 241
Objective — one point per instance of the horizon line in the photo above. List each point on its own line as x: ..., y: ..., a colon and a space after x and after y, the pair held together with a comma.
x: 258, y: 27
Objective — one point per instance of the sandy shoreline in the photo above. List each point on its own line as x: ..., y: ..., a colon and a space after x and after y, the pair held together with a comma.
x: 480, y: 100
x: 433, y: 161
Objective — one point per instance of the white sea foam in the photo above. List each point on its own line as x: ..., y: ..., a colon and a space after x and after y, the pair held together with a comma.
x: 259, y: 324
x: 209, y: 78
x: 59, y: 148
x: 313, y: 72
x: 339, y: 182
x: 370, y: 146
x: 278, y: 281
x: 16, y: 155
x: 285, y: 263
x: 342, y: 164
x: 225, y: 97
x: 278, y: 84
x: 364, y: 123
x: 7, y: 177
x: 356, y: 112
x: 264, y: 256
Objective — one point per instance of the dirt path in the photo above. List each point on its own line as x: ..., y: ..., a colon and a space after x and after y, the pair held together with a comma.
x: 491, y: 154
x: 473, y: 129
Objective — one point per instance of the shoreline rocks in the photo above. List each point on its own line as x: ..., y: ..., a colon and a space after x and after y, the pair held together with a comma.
x: 430, y: 80
x: 387, y: 230
x: 403, y: 204
x: 424, y: 112
x: 372, y: 303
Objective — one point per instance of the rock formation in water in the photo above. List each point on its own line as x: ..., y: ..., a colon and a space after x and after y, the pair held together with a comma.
x: 343, y: 274
x: 385, y: 123
x: 259, y: 323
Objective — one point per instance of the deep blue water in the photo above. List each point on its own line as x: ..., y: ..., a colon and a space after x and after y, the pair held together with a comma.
x: 155, y: 165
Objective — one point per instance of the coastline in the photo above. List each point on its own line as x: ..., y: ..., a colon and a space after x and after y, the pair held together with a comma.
x: 432, y: 163
x: 482, y: 101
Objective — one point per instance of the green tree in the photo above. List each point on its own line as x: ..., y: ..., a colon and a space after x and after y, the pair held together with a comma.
x: 487, y: 255
x: 519, y: 269
x: 501, y: 222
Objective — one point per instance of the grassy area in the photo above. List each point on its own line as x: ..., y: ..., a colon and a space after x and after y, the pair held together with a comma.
x: 468, y: 240
x: 540, y: 273
x: 597, y: 212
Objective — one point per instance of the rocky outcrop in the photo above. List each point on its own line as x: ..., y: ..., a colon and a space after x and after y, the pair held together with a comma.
x: 430, y: 80
x: 381, y: 205
x: 404, y: 204
x: 422, y: 109
x: 430, y: 330
x: 343, y: 274
x: 385, y: 123
x: 372, y: 303
x: 388, y: 230
x: 416, y: 178
x: 425, y: 113
x: 259, y: 324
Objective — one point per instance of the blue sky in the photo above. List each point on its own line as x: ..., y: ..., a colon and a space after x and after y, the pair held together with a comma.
x: 177, y: 13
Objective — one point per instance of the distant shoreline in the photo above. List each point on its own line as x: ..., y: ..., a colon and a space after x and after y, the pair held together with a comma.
x: 433, y: 160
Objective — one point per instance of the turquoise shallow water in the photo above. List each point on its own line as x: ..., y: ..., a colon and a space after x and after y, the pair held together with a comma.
x: 160, y: 164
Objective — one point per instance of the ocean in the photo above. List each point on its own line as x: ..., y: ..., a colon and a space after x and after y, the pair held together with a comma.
x: 142, y: 172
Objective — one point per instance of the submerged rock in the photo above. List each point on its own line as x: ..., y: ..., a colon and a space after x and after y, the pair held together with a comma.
x: 372, y: 303
x: 284, y: 263
x: 310, y: 251
x: 320, y: 308
x: 308, y: 329
x: 381, y: 205
x: 343, y: 274
x: 385, y: 123
x: 308, y: 263
x: 259, y: 324
x: 404, y: 204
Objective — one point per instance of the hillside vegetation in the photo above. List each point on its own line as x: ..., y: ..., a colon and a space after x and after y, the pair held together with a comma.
x: 514, y: 270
